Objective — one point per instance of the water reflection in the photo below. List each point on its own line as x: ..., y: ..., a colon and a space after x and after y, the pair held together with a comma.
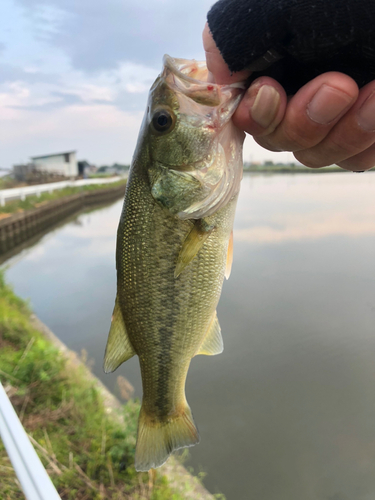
x: 287, y: 412
x: 305, y: 207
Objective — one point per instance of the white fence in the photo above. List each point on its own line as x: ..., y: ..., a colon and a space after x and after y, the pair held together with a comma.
x: 31, y: 474
x: 22, y: 192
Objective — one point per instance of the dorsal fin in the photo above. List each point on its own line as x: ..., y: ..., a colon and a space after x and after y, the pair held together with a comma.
x: 213, y: 341
x: 228, y: 267
x: 119, y: 348
x: 192, y: 244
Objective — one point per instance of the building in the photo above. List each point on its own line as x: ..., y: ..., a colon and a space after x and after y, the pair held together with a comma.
x: 61, y: 163
x: 23, y: 171
x: 85, y: 168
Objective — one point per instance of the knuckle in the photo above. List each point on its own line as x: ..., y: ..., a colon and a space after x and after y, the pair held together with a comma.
x: 356, y: 164
x: 267, y: 143
x: 310, y: 159
x: 334, y: 149
x: 293, y: 138
x: 269, y: 132
x: 343, y: 147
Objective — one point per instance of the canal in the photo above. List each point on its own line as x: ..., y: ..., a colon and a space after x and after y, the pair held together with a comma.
x: 287, y: 412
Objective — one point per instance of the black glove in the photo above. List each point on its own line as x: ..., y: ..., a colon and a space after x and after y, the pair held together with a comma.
x: 297, y: 39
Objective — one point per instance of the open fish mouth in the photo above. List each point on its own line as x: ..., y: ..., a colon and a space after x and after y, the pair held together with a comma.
x: 190, y: 78
x: 189, y: 71
x: 192, y: 71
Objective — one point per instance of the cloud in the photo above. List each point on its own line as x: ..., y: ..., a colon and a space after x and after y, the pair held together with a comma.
x: 101, y: 133
x: 126, y: 87
x: 100, y: 35
x: 11, y: 73
x: 62, y: 99
x: 67, y: 58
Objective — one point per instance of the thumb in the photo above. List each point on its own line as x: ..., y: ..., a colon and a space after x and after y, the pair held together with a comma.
x: 217, y: 68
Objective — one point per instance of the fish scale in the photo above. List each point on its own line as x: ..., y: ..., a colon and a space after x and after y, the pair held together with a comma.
x: 170, y: 265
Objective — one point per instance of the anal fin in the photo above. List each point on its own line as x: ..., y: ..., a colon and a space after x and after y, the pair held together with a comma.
x: 213, y: 341
x: 119, y: 348
x: 192, y: 244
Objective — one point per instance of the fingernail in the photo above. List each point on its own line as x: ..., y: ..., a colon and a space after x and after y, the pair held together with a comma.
x: 327, y: 104
x: 265, y: 106
x: 366, y: 114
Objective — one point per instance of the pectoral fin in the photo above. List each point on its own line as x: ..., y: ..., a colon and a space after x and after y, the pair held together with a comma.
x: 228, y: 267
x: 213, y: 341
x: 192, y: 244
x: 119, y: 348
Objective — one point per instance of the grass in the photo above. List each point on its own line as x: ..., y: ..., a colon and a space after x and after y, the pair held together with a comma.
x: 35, y: 201
x: 87, y: 453
x: 7, y: 182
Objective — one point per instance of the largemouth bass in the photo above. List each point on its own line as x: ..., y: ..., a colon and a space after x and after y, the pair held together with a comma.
x: 174, y: 247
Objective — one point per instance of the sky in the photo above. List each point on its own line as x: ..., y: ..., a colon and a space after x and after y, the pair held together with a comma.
x: 75, y: 75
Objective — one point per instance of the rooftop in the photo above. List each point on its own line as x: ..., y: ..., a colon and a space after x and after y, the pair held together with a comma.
x: 54, y: 154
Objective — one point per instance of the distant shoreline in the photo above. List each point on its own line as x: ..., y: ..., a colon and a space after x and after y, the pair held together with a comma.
x: 292, y: 169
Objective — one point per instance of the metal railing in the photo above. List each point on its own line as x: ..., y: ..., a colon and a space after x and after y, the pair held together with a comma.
x: 22, y: 192
x: 31, y: 474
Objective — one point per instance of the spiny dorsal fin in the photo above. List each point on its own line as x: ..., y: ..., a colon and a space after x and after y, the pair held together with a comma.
x: 228, y: 267
x: 213, y: 342
x: 119, y: 348
x: 192, y: 244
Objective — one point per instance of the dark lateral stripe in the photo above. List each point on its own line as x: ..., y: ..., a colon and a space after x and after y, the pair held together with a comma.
x: 167, y: 323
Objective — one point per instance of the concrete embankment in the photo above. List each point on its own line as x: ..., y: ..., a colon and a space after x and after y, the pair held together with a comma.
x: 21, y: 226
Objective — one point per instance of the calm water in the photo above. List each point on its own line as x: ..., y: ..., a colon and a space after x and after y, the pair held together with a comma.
x: 287, y: 412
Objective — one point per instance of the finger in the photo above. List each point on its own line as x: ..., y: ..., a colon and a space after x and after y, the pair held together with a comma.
x: 360, y: 162
x: 312, y: 112
x: 354, y: 133
x: 218, y: 70
x: 262, y: 107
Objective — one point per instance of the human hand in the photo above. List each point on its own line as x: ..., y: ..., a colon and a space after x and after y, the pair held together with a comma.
x: 328, y: 120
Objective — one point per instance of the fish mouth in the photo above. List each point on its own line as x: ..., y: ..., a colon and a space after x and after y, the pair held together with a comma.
x: 192, y: 71
x: 189, y: 77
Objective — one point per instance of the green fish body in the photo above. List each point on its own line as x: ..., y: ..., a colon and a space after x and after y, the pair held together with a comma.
x: 174, y: 248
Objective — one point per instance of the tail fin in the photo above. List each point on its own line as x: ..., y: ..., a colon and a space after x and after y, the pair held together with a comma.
x: 156, y: 440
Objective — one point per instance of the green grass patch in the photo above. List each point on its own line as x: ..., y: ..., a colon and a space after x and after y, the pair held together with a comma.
x: 35, y: 201
x: 88, y: 454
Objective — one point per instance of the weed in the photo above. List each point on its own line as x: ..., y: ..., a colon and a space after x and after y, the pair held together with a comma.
x: 87, y: 453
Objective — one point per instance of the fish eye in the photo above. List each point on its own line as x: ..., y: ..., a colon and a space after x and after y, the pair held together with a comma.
x: 162, y: 121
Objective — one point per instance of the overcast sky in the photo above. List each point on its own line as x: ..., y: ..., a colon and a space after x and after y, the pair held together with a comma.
x: 74, y: 75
